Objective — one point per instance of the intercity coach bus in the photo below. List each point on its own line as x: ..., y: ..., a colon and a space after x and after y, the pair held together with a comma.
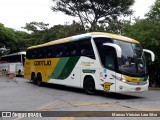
x: 13, y: 63
x: 92, y: 61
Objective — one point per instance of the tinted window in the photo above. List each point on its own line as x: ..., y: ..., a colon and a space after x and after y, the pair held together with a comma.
x: 100, y: 40
x: 70, y: 49
x: 15, y: 58
x: 107, y: 54
x: 85, y: 48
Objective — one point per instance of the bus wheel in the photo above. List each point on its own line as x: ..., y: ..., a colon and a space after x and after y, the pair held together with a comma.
x: 89, y: 86
x: 39, y: 81
x: 32, y: 77
x: 35, y: 81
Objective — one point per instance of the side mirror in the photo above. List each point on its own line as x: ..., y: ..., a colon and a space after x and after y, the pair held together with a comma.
x: 152, y: 54
x: 117, y: 48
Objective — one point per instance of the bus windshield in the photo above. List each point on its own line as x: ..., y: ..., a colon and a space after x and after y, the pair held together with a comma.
x: 132, y: 62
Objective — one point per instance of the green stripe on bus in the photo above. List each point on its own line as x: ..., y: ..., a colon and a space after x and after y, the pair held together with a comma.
x: 88, y: 71
x: 64, y: 67
x: 68, y: 67
x: 59, y: 68
x: 144, y: 78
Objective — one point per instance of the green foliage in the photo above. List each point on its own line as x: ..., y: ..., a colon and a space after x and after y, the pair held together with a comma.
x: 154, y: 13
x: 35, y: 26
x: 21, y: 41
x: 7, y: 37
x: 14, y: 40
x: 117, y: 26
x: 147, y: 32
x: 61, y: 31
x: 94, y: 12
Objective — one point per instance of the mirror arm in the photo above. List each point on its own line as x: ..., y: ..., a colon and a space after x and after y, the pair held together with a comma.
x: 152, y: 54
x: 117, y: 48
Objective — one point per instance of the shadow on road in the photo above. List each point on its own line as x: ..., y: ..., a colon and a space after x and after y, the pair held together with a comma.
x: 118, y: 96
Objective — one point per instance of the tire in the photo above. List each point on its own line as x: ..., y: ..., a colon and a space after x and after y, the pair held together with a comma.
x: 35, y: 81
x: 39, y: 81
x: 32, y: 77
x: 89, y: 86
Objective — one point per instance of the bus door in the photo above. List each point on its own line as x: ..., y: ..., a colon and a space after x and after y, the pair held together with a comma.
x: 107, y: 75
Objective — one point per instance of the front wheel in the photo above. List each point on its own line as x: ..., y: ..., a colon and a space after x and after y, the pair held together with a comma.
x: 89, y: 86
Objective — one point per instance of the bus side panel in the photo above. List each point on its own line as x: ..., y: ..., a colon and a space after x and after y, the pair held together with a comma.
x: 63, y: 69
x: 106, y: 80
x: 28, y: 69
x: 45, y: 67
x: 88, y: 68
x: 74, y: 79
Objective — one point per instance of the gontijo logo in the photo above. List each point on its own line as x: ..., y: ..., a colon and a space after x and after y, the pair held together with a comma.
x: 42, y: 63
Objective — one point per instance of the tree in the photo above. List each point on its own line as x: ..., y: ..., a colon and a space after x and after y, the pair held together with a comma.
x: 61, y: 31
x: 35, y: 26
x: 154, y: 13
x: 22, y: 41
x: 94, y: 12
x: 147, y: 32
x: 117, y: 26
x: 7, y: 38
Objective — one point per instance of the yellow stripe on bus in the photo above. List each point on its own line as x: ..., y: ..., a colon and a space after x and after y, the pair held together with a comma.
x: 114, y: 36
x: 60, y: 41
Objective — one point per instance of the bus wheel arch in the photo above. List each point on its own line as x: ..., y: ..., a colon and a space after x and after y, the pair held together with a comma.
x: 89, y: 85
x: 39, y: 79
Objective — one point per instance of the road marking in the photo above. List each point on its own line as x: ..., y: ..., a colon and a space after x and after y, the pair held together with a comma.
x: 49, y: 107
x: 44, y: 106
x: 67, y: 118
x: 55, y: 107
x: 40, y: 108
x: 88, y: 113
x: 91, y: 104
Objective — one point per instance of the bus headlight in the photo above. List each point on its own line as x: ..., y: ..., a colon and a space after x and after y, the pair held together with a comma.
x: 120, y: 79
x: 123, y: 80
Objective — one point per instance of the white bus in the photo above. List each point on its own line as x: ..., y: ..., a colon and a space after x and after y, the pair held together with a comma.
x: 92, y: 61
x: 13, y: 63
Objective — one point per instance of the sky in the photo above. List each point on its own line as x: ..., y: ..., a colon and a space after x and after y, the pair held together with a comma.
x: 16, y: 13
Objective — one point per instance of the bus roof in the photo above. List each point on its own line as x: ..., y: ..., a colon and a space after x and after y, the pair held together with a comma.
x: 92, y: 34
x: 18, y: 53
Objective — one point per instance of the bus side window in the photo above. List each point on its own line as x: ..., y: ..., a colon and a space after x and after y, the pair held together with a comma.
x: 109, y: 57
x: 72, y: 49
x: 33, y: 55
x: 50, y: 52
x: 83, y: 52
x: 40, y: 52
x: 43, y: 52
x: 86, y: 48
x: 59, y: 51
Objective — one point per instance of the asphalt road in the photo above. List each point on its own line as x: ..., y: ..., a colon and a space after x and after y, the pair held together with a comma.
x: 19, y: 94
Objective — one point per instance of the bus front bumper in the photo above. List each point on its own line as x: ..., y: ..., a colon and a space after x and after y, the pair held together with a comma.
x: 124, y: 87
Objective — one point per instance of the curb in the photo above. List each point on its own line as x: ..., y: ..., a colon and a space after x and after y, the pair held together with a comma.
x: 154, y: 88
